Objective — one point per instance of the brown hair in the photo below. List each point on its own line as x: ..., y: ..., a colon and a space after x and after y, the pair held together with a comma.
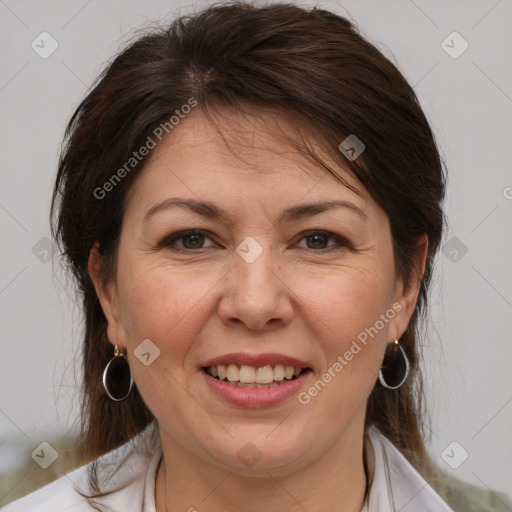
x: 309, y: 63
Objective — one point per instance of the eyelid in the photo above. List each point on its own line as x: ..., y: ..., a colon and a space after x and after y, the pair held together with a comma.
x: 342, y: 242
x: 176, y: 236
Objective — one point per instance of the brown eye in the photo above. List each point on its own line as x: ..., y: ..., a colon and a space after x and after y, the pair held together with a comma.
x: 317, y: 241
x: 323, y: 241
x: 193, y: 241
x: 190, y: 240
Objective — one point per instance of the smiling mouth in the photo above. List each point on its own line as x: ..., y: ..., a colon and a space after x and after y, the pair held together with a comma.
x: 247, y: 376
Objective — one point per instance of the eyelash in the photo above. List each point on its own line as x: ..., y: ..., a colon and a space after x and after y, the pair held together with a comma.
x: 170, y: 240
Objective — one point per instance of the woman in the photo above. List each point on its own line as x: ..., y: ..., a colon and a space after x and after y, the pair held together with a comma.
x: 250, y: 202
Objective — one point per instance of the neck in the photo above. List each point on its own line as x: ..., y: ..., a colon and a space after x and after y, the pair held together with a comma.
x: 335, y: 481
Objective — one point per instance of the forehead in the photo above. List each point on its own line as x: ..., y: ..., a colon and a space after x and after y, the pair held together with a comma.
x: 239, y: 156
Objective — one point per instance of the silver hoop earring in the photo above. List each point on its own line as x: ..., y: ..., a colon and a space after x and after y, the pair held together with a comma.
x: 117, y: 379
x: 391, y: 368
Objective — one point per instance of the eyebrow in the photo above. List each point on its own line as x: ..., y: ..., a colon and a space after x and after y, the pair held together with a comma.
x: 210, y: 210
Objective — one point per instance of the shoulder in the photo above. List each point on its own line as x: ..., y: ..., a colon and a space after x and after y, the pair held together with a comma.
x: 58, y: 495
x: 469, y: 497
x: 403, y: 485
x: 396, y: 484
x: 123, y: 470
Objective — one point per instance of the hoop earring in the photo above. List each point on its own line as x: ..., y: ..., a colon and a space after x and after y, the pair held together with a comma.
x: 404, y: 364
x: 117, y: 379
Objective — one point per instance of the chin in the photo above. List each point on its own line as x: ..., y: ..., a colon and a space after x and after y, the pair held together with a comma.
x: 253, y: 458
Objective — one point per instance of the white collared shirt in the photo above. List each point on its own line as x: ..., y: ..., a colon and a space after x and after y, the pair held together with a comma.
x: 396, y: 485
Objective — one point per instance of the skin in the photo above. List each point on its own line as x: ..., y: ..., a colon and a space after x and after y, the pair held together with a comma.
x: 296, y: 298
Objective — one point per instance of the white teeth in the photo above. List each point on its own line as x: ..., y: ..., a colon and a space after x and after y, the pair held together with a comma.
x: 233, y: 373
x: 247, y: 374
x: 255, y: 377
x: 278, y: 372
x: 288, y: 372
x: 264, y: 374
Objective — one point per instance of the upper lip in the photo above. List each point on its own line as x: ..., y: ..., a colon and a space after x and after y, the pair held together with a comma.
x: 239, y: 358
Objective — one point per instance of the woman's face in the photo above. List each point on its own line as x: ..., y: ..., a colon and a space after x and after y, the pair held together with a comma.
x: 269, y: 281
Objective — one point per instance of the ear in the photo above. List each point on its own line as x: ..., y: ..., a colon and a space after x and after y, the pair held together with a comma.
x: 406, y: 293
x: 107, y: 295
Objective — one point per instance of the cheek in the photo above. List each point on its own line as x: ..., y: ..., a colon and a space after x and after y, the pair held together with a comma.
x: 348, y: 314
x: 346, y: 303
x: 168, y: 309
x: 164, y: 306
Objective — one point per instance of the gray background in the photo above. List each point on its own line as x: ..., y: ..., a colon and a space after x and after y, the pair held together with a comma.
x: 468, y: 100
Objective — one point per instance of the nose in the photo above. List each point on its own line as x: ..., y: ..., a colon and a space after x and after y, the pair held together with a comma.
x: 256, y: 295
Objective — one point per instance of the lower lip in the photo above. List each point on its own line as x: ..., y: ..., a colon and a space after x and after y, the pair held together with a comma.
x: 256, y: 397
